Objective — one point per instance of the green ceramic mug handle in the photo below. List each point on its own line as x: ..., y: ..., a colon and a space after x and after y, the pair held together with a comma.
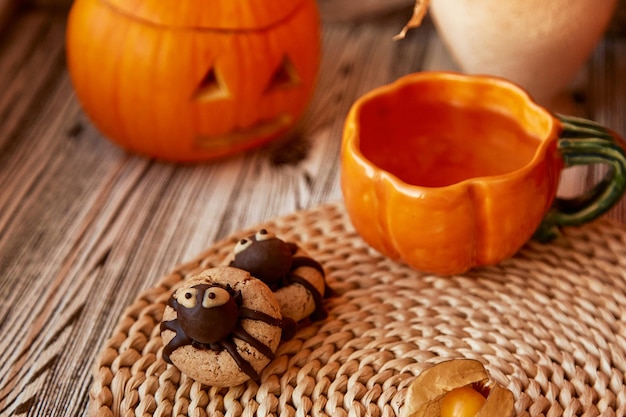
x: 584, y: 142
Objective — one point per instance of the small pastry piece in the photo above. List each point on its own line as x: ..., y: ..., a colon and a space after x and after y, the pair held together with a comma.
x: 298, y: 281
x: 222, y: 327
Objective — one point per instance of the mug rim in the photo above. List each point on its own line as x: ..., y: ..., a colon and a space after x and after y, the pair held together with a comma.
x: 353, y: 128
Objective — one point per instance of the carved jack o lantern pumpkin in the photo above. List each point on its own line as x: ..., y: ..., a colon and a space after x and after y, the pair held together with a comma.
x: 190, y: 80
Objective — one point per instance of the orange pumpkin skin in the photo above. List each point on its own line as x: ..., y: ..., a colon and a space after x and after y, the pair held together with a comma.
x: 451, y: 228
x: 195, y: 80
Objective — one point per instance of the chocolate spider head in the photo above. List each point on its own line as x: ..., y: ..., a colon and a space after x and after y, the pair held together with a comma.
x: 265, y: 256
x: 207, y: 313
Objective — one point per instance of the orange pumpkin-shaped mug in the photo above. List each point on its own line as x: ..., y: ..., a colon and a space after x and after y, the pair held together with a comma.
x: 193, y: 80
x: 448, y: 171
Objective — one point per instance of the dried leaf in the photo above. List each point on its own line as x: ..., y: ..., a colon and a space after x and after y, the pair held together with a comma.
x: 432, y: 384
x: 500, y: 402
x: 419, y: 11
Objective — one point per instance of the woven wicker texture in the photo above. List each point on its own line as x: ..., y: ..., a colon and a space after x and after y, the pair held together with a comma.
x: 549, y: 324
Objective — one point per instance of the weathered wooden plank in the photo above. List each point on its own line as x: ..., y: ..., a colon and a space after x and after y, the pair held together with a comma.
x: 39, y: 243
x: 347, y: 10
x: 84, y: 226
x: 31, y: 61
x: 606, y: 100
x: 58, y: 5
x: 50, y: 180
x: 94, y: 226
x: 8, y: 8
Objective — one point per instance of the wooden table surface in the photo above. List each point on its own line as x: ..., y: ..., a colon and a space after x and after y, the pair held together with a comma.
x: 85, y: 226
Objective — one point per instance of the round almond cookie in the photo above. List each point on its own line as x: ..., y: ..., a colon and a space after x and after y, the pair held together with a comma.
x: 298, y: 281
x: 221, y: 327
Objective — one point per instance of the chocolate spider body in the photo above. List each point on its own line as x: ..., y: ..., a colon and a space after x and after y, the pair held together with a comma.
x: 208, y: 317
x: 273, y: 261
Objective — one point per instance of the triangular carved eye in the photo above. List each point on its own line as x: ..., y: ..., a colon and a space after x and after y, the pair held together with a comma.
x: 285, y: 76
x: 211, y: 87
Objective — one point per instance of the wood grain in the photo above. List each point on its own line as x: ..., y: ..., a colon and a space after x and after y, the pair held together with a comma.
x: 7, y: 10
x: 84, y: 226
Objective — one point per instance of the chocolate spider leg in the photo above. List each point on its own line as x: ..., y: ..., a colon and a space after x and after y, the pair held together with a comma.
x: 243, y: 364
x: 180, y: 338
x: 289, y: 328
x: 287, y: 325
x: 292, y: 247
x: 299, y: 261
x: 240, y: 333
x: 319, y: 313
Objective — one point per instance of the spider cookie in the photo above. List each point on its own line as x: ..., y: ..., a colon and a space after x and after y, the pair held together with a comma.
x: 221, y: 327
x: 297, y: 280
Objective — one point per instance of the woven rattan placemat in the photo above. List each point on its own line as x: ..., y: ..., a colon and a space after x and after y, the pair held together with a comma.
x: 549, y: 324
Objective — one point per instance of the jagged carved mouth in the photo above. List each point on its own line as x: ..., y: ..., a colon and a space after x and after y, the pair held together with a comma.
x: 260, y: 130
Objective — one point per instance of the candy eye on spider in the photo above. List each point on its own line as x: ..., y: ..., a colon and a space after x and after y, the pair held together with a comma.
x: 242, y: 245
x: 188, y: 298
x: 263, y: 235
x: 215, y: 297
